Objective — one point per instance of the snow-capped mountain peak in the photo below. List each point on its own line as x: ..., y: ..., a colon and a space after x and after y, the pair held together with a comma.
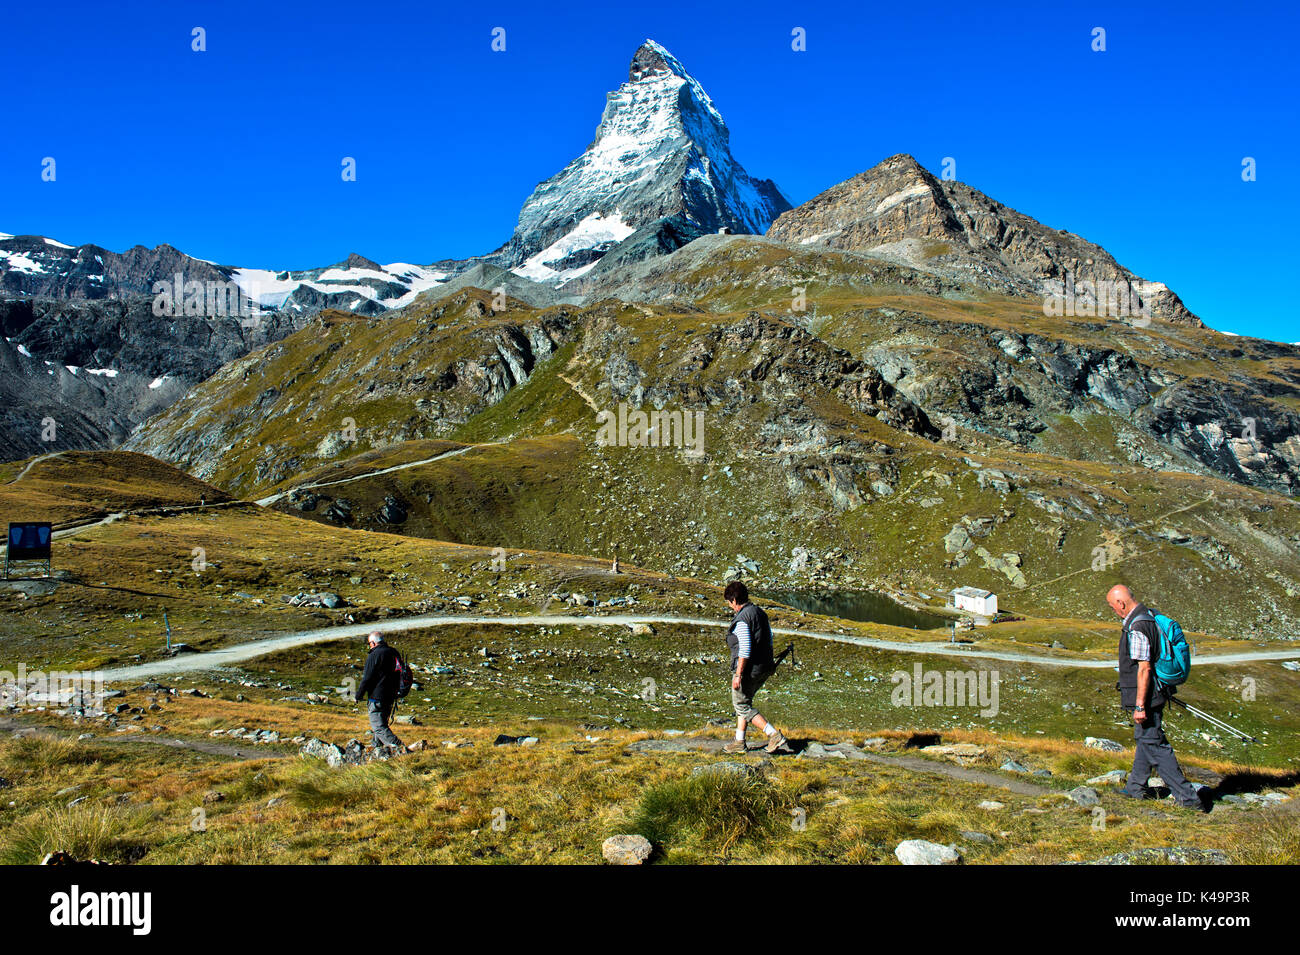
x: 660, y: 154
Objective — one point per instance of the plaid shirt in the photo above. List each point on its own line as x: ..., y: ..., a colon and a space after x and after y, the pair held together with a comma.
x: 1139, y: 646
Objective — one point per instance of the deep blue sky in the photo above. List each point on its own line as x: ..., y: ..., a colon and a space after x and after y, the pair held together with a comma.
x: 234, y: 154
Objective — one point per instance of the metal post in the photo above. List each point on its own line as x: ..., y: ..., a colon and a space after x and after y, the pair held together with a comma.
x: 168, y: 625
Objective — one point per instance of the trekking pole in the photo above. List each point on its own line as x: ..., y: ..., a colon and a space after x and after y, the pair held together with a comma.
x: 787, y: 652
x: 1214, y: 721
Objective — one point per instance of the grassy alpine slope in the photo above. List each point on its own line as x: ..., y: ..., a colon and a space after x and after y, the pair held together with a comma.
x: 823, y: 453
x: 582, y: 692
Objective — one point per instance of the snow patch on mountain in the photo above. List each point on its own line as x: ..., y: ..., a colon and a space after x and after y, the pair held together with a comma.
x: 18, y: 262
x: 911, y: 192
x: 596, y: 232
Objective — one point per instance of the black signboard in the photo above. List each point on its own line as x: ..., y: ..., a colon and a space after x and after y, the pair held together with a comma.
x: 29, y: 540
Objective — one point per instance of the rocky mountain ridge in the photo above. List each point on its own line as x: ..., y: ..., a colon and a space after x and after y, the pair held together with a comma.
x: 899, y: 211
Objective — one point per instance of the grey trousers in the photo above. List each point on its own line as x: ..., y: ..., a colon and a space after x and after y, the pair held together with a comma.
x: 379, y: 714
x: 1154, y: 752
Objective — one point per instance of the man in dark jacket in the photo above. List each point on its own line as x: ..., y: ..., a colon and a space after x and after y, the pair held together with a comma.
x: 379, y: 683
x: 1140, y: 691
x: 750, y: 641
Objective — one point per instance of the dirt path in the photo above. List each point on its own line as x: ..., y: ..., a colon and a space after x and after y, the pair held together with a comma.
x: 591, y: 402
x: 198, y: 746
x: 67, y: 530
x: 708, y: 747
x: 268, y: 501
x: 238, y: 653
x: 914, y: 764
x: 33, y: 462
x: 962, y: 773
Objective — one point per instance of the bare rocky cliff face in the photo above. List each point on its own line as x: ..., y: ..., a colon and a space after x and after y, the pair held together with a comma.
x: 900, y: 212
x: 99, y: 368
x: 1018, y: 385
x: 32, y: 266
x: 1175, y: 395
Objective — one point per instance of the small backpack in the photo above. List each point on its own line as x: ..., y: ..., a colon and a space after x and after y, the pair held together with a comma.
x: 1173, y: 660
x: 405, y: 678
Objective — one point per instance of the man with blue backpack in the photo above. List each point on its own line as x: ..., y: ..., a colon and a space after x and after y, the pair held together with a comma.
x: 1153, y: 659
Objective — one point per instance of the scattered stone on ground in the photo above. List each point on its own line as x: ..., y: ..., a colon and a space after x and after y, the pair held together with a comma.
x: 353, y: 753
x: 844, y: 750
x: 1083, y: 796
x: 960, y: 753
x: 626, y: 850
x: 1113, y: 778
x: 726, y: 767
x: 1106, y: 745
x: 1175, y: 855
x: 922, y: 852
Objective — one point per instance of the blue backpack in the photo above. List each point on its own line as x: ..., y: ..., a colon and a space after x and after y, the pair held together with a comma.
x: 1173, y: 661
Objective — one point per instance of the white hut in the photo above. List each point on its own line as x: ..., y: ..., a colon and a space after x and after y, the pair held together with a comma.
x: 973, y: 600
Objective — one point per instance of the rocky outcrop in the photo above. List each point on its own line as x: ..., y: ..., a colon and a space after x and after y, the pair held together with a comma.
x: 35, y: 267
x: 900, y: 211
x: 760, y: 359
x: 1232, y: 430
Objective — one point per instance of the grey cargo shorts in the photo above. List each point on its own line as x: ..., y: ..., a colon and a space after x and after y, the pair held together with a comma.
x: 742, y: 700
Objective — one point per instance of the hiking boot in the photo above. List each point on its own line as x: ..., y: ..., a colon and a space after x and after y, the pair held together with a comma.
x: 736, y: 746
x: 777, y: 743
x: 1145, y: 794
x: 1203, y: 802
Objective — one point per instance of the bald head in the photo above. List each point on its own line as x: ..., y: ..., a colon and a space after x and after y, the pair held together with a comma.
x: 374, y: 637
x: 1121, y: 600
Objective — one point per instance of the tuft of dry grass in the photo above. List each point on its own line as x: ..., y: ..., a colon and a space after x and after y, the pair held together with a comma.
x: 1268, y: 837
x: 712, y: 812
x: 106, y: 833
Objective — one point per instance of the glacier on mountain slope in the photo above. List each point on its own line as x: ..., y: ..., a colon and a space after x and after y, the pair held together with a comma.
x: 267, y: 289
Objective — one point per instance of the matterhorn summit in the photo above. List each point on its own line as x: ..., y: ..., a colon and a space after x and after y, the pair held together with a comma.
x: 658, y: 174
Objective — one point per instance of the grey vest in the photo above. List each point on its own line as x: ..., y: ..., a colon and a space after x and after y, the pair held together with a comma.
x: 761, y: 661
x: 1142, y: 620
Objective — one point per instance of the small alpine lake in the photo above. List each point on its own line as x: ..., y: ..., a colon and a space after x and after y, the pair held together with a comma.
x: 861, y: 605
